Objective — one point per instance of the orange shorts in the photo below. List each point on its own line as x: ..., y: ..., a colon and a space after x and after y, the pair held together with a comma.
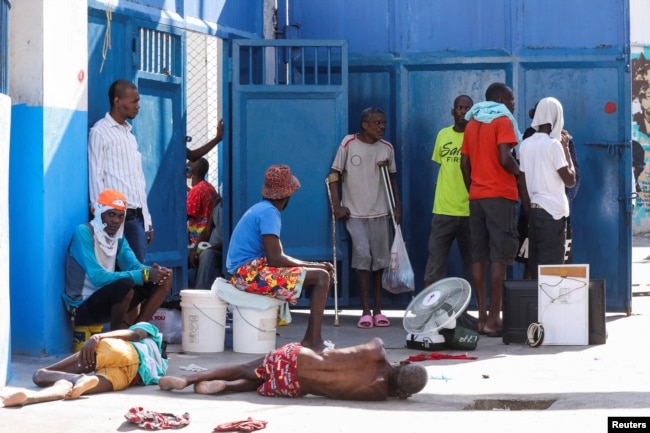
x: 117, y: 362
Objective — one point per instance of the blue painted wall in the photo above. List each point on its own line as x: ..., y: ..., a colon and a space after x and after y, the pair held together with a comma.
x: 48, y: 161
x: 412, y: 57
x: 48, y: 194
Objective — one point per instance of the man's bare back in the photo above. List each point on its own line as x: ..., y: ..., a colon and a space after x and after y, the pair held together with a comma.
x: 354, y: 373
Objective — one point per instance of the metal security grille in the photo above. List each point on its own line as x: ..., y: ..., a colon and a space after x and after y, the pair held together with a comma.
x: 203, y: 75
x: 159, y: 52
x: 297, y: 63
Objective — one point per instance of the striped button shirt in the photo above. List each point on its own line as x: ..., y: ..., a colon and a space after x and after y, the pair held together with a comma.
x: 115, y: 162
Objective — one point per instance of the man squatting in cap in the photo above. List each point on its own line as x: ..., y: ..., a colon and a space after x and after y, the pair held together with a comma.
x: 95, y: 292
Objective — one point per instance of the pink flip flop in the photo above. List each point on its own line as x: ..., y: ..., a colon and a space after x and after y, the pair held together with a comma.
x: 381, y: 321
x: 365, y: 322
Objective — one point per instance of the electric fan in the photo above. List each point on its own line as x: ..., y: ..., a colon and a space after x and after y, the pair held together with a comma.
x: 434, y: 308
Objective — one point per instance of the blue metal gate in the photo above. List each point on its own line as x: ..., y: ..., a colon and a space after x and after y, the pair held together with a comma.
x: 288, y: 105
x: 155, y: 64
x: 415, y: 59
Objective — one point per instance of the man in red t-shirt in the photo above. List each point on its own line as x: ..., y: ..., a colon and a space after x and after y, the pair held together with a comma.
x: 200, y: 200
x: 490, y: 174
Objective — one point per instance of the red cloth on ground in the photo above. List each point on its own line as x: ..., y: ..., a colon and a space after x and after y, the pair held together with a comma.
x: 150, y: 420
x: 246, y: 425
x: 437, y: 356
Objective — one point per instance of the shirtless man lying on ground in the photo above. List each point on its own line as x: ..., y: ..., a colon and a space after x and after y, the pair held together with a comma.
x: 119, y: 359
x: 354, y: 373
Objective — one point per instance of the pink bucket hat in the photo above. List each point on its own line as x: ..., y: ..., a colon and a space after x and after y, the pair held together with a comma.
x: 279, y: 183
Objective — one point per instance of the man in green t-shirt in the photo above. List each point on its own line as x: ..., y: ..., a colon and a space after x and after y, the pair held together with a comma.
x: 451, y: 203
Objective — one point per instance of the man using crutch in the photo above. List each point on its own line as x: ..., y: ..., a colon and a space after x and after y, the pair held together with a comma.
x: 365, y: 207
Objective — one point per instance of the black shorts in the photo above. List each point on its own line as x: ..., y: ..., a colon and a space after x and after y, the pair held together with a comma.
x: 493, y: 225
x: 97, y: 308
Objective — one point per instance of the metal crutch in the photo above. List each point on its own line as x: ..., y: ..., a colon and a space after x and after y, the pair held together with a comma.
x: 383, y: 166
x: 336, y: 290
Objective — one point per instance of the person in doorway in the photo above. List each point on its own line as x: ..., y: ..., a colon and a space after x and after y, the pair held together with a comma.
x: 194, y: 155
x: 209, y: 262
x: 117, y: 359
x: 360, y: 373
x: 451, y: 204
x: 490, y: 173
x: 201, y: 199
x: 95, y: 292
x: 259, y: 265
x: 114, y: 162
x: 356, y: 169
x: 546, y: 170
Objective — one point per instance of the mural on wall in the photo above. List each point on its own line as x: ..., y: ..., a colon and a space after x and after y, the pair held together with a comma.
x: 641, y: 137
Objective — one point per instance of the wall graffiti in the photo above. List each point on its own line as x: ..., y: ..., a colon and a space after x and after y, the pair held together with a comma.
x: 641, y: 138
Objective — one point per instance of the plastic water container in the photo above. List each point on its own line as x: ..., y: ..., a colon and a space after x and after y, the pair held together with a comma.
x: 204, y: 321
x: 253, y: 330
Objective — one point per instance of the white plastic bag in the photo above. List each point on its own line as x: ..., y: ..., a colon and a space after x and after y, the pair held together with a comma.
x: 169, y: 323
x: 398, y: 277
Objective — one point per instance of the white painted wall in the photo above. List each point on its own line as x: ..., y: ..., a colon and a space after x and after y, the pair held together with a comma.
x: 5, y: 124
x: 65, y: 54
x: 48, y: 53
x: 639, y: 17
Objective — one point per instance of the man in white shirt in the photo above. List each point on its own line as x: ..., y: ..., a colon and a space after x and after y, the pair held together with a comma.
x: 114, y: 162
x: 546, y: 169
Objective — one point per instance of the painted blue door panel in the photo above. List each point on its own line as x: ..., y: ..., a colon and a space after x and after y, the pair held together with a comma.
x: 158, y: 61
x: 158, y: 134
x: 431, y: 95
x: 151, y: 56
x: 468, y: 26
x: 105, y: 65
x: 426, y: 53
x: 292, y: 116
x: 599, y: 212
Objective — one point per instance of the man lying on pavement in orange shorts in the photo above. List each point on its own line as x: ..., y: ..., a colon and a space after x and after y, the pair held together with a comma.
x: 118, y: 359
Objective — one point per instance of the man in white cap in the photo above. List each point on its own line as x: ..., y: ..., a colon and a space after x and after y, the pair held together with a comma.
x: 95, y: 291
x: 546, y: 169
x: 259, y: 265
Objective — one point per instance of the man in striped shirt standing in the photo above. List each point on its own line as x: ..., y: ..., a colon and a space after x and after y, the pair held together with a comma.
x: 114, y: 162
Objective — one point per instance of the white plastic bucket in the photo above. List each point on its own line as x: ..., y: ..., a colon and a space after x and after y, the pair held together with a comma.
x: 253, y: 330
x: 204, y: 321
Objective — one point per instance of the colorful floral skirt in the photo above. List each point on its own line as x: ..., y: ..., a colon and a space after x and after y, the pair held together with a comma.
x: 280, y: 283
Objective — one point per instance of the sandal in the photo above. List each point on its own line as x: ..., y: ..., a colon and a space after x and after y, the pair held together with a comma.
x: 381, y: 321
x: 365, y: 322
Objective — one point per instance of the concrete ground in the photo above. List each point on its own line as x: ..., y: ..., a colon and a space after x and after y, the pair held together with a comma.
x: 508, y: 388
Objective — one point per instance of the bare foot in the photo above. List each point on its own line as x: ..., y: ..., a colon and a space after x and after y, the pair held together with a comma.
x: 83, y: 384
x: 493, y: 330
x: 167, y: 383
x: 18, y: 398
x: 210, y: 387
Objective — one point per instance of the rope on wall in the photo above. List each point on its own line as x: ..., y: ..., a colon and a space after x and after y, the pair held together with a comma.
x: 107, y: 35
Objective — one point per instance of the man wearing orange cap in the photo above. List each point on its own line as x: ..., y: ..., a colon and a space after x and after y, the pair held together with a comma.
x: 95, y: 292
x: 259, y: 265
